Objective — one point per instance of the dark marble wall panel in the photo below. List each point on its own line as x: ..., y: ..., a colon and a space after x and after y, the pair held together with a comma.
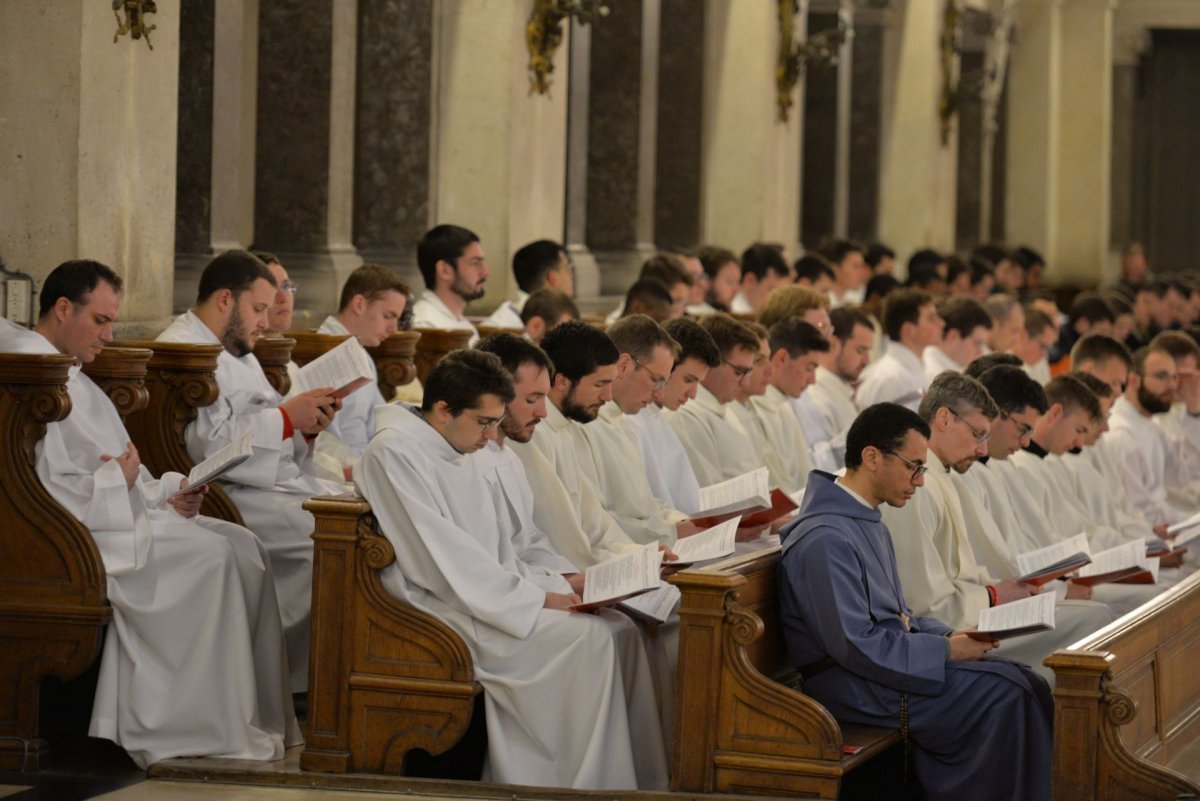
x: 391, y: 129
x: 1124, y: 92
x: 680, y: 124
x: 613, y: 112
x: 820, y: 144
x: 970, y: 138
x: 193, y: 149
x: 866, y: 87
x: 1000, y: 171
x: 291, y: 193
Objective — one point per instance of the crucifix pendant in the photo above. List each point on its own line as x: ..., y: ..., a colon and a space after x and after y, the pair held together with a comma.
x: 904, y: 618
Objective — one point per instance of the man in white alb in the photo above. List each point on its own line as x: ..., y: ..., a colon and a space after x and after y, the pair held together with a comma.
x: 964, y: 336
x: 451, y: 262
x: 539, y: 265
x: 912, y: 324
x: 194, y: 661
x: 763, y: 269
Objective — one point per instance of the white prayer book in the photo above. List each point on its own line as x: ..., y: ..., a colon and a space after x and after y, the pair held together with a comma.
x: 656, y: 604
x: 220, y: 463
x: 748, y: 492
x: 621, y: 577
x: 346, y: 368
x: 1054, y: 561
x: 1185, y: 530
x: 712, y: 543
x: 1122, y: 563
x: 1035, y: 613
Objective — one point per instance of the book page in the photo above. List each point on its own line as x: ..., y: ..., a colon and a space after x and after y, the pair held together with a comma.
x: 1123, y: 557
x: 748, y: 491
x: 340, y: 368
x: 712, y: 543
x: 657, y: 604
x: 1028, y: 614
x: 1034, y: 561
x: 1191, y: 524
x: 220, y: 463
x: 633, y: 572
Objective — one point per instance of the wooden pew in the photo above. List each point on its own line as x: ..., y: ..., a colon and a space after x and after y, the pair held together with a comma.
x: 121, y: 373
x: 393, y: 357
x: 273, y: 354
x: 487, y: 330
x: 53, y: 590
x: 742, y: 725
x: 436, y: 343
x: 180, y: 379
x: 384, y: 678
x: 1127, y: 701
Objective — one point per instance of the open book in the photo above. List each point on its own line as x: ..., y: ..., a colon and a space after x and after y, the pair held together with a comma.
x: 1185, y: 530
x: 1035, y: 613
x: 657, y: 605
x: 749, y: 492
x: 621, y: 577
x: 1119, y: 564
x: 219, y: 463
x: 780, y: 504
x: 346, y: 368
x: 712, y: 543
x: 1054, y: 561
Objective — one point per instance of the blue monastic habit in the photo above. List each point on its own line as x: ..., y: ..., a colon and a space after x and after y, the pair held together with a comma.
x: 979, y: 730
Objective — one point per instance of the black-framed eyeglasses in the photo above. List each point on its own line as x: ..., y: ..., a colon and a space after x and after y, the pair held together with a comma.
x: 740, y: 370
x: 918, y: 469
x: 980, y: 436
x: 1023, y: 430
x: 660, y: 381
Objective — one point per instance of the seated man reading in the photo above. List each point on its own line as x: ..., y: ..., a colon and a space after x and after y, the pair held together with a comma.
x: 979, y: 726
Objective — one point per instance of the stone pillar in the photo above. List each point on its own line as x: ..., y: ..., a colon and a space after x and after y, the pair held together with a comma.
x: 392, y: 131
x: 865, y: 121
x: 587, y: 273
x: 845, y: 96
x: 500, y: 151
x: 89, y: 170
x: 1060, y: 136
x: 304, y: 144
x: 820, y: 103
x: 917, y: 183
x: 680, y: 124
x: 750, y: 171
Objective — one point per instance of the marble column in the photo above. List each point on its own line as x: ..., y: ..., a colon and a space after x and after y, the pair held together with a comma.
x: 499, y: 151
x: 865, y: 121
x: 917, y: 180
x: 680, y: 124
x: 90, y: 170
x: 750, y: 171
x: 820, y: 146
x: 587, y: 272
x: 305, y: 145
x: 845, y: 98
x: 392, y: 131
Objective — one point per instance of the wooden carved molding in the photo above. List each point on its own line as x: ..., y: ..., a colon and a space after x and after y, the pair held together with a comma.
x: 274, y: 353
x: 121, y: 373
x: 436, y: 343
x: 486, y: 331
x: 395, y: 361
x: 311, y: 344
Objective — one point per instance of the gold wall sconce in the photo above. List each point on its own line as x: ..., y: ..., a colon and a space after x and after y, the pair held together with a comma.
x: 544, y: 33
x: 819, y: 51
x: 134, y: 23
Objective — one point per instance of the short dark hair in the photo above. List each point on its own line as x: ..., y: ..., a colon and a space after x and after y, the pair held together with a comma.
x: 877, y: 252
x: 235, y: 270
x: 1102, y: 388
x: 1099, y: 348
x: 462, y: 377
x: 884, y: 426
x: 713, y: 258
x: 1037, y: 321
x: 694, y: 342
x: 1118, y: 302
x: 578, y: 349
x: 74, y: 280
x: 955, y: 267
x: 845, y: 318
x: 958, y: 393
x: 729, y: 333
x: 1176, y: 344
x: 993, y: 254
x: 796, y: 337
x: 638, y: 336
x: 1027, y: 257
x: 371, y: 281
x: 441, y: 243
x: 981, y: 269
x: 761, y: 257
x: 963, y: 315
x: 811, y: 268
x: 1013, y: 389
x: 532, y: 262
x: 1091, y: 307
x: 650, y: 294
x: 903, y: 306
x: 514, y: 351
x: 550, y: 305
x: 880, y: 286
x: 922, y: 267
x: 835, y: 251
x: 667, y: 269
x: 266, y: 258
x: 989, y: 360
x: 1072, y: 394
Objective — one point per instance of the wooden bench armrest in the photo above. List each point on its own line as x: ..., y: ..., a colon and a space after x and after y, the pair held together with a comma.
x: 395, y: 361
x: 121, y: 373
x: 273, y: 354
x: 436, y: 343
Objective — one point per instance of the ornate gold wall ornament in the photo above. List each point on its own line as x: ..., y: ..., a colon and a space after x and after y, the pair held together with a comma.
x: 135, y: 19
x: 819, y: 51
x: 544, y: 33
x: 949, y: 48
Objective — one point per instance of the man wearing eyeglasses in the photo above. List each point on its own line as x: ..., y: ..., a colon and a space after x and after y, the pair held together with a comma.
x: 279, y: 316
x: 941, y: 574
x: 979, y: 727
x: 570, y: 698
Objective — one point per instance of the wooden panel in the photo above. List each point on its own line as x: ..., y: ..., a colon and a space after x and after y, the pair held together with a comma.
x: 436, y: 343
x: 273, y: 354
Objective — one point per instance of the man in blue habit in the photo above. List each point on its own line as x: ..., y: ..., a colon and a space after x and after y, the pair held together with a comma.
x: 980, y: 727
